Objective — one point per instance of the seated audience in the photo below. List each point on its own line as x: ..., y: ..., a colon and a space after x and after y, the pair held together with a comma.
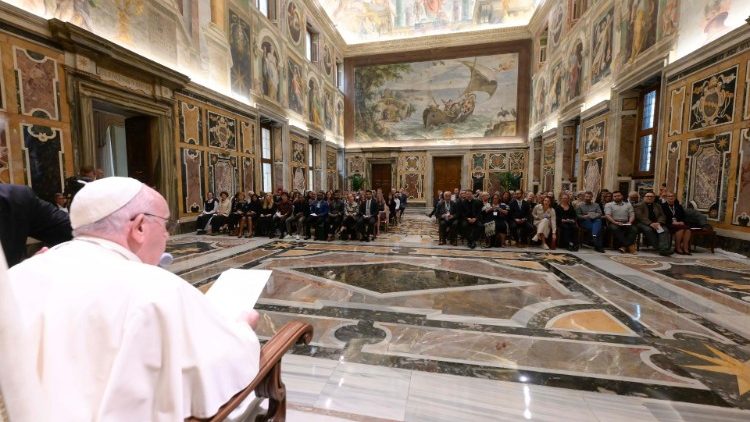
x: 650, y: 221
x: 446, y: 215
x: 284, y: 210
x: 335, y: 214
x: 238, y: 212
x: 317, y: 218
x: 368, y: 211
x: 61, y: 202
x: 298, y: 213
x: 620, y: 218
x: 245, y: 218
x: 590, y: 217
x: 567, y: 223
x: 438, y: 198
x: 674, y: 216
x: 493, y: 220
x: 469, y: 212
x: 209, y: 210
x: 520, y: 218
x: 545, y: 221
x: 116, y: 337
x: 634, y: 198
x: 221, y: 218
x: 351, y: 217
x: 265, y: 216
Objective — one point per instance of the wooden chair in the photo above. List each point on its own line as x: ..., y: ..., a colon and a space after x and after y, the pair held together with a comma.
x: 267, y: 383
x: 382, y: 219
x: 703, y: 232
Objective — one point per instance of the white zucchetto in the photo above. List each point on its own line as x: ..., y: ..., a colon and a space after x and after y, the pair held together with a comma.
x: 101, y: 198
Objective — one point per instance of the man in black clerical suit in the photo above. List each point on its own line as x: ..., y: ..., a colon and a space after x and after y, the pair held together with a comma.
x: 368, y: 212
x: 520, y: 218
x: 469, y: 210
x: 446, y: 215
x: 23, y: 214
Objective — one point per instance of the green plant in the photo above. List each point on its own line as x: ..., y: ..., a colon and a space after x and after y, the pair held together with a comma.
x: 358, y: 182
x: 510, y: 181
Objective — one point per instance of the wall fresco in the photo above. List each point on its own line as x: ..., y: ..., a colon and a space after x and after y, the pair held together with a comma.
x: 601, y: 47
x: 638, y: 28
x: 270, y: 70
x: 295, y: 87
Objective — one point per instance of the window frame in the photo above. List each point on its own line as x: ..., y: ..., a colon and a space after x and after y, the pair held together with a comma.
x: 263, y: 159
x: 640, y: 133
x: 312, y: 44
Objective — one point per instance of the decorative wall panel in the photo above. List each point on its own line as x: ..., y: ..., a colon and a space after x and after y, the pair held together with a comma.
x: 2, y: 83
x: 676, y: 110
x: 239, y: 44
x: 706, y: 181
x: 278, y: 176
x: 223, y: 173
x: 42, y: 147
x: 489, y: 169
x: 191, y: 125
x: 37, y: 84
x: 222, y: 131
x: 6, y: 173
x: 299, y: 182
x: 411, y: 173
x: 712, y: 99
x: 332, y: 178
x: 548, y: 165
x: 746, y: 114
x: 248, y: 174
x: 247, y: 136
x: 741, y: 214
x: 592, y: 175
x: 595, y: 137
x: 192, y: 180
x: 673, y: 166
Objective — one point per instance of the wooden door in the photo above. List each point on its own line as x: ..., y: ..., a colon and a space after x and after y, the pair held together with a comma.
x: 381, y: 177
x: 446, y: 174
x: 140, y: 150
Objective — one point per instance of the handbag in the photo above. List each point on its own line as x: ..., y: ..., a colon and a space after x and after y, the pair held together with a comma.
x: 489, y: 228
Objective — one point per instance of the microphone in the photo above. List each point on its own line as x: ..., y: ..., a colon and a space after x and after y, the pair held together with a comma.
x: 166, y: 260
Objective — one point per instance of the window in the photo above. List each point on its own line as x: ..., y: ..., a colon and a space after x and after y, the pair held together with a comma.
x: 645, y: 144
x: 311, y: 45
x: 267, y: 8
x: 577, y: 9
x: 266, y: 151
x: 543, y: 46
x: 340, y: 76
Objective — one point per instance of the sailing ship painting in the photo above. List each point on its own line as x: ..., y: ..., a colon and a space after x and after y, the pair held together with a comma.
x: 472, y: 97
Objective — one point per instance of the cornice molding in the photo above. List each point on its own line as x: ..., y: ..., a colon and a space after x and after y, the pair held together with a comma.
x: 23, y: 21
x: 326, y: 24
x: 439, y: 41
x: 728, y: 41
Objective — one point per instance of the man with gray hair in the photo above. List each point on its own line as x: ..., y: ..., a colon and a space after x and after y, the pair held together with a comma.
x: 114, y: 336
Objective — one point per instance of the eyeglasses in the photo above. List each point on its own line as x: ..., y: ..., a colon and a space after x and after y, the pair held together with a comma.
x: 169, y: 224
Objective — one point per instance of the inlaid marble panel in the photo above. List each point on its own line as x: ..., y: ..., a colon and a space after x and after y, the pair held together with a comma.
x: 222, y: 131
x: 746, y: 114
x: 676, y: 109
x: 42, y: 147
x: 592, y: 175
x: 192, y: 179
x: 248, y: 174
x: 712, y: 99
x: 6, y: 173
x: 673, y: 165
x: 37, y: 84
x: 741, y: 214
x: 191, y: 126
x: 706, y: 182
x: 299, y: 179
x: 595, y: 137
x: 247, y: 136
x: 223, y: 173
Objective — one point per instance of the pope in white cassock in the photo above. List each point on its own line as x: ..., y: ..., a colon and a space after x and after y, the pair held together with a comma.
x: 113, y: 337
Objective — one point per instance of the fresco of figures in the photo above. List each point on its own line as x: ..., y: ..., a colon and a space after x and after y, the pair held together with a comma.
x: 471, y: 97
x: 314, y: 106
x: 239, y: 43
x: 601, y: 47
x: 363, y: 20
x: 638, y: 28
x: 556, y: 87
x: 575, y: 71
x: 555, y: 23
x: 294, y: 22
x: 269, y: 69
x: 295, y: 87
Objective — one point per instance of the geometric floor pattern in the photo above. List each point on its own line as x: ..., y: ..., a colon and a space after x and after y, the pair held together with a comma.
x: 408, y: 330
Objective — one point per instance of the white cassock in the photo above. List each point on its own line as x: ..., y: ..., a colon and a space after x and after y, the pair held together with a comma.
x: 118, y: 340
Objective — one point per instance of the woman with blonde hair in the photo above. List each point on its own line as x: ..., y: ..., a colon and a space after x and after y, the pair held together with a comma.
x: 545, y: 221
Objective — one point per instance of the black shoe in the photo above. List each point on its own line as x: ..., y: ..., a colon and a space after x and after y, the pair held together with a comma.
x: 472, y: 245
x: 599, y: 249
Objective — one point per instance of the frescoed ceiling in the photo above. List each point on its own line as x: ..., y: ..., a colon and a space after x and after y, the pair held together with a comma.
x: 362, y: 21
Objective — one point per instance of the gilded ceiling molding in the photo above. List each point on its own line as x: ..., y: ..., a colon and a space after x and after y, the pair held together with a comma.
x: 438, y: 41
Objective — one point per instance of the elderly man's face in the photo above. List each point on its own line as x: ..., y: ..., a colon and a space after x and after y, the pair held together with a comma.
x: 634, y: 197
x: 649, y: 198
x: 151, y: 241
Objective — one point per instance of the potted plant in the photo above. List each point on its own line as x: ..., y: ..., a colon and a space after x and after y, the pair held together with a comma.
x: 358, y: 182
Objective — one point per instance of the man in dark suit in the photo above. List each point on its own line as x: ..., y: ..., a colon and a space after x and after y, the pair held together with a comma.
x: 469, y: 210
x: 446, y: 216
x: 23, y: 214
x: 368, y: 212
x: 520, y: 218
x: 650, y: 220
x: 317, y: 217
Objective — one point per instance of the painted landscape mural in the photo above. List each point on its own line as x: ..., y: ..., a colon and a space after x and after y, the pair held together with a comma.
x: 471, y: 97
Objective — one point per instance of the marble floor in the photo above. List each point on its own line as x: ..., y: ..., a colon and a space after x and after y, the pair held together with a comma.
x: 408, y: 330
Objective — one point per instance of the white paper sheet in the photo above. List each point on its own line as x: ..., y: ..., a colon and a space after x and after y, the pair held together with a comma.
x: 236, y: 291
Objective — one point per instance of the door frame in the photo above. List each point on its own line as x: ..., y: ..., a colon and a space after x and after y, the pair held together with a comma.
x: 368, y: 168
x: 430, y: 201
x: 161, y: 128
